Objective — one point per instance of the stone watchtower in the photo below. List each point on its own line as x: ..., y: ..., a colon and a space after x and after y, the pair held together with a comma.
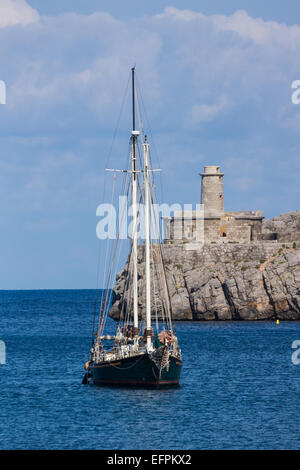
x: 212, y: 190
x: 219, y: 226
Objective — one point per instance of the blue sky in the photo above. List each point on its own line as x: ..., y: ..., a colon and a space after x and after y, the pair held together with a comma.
x: 216, y: 81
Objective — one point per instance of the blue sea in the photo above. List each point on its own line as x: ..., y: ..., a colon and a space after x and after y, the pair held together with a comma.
x: 239, y: 388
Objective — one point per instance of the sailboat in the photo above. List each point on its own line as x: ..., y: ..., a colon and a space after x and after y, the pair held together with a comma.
x: 143, y: 351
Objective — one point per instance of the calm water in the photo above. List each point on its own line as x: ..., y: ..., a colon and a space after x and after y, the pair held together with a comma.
x: 240, y: 389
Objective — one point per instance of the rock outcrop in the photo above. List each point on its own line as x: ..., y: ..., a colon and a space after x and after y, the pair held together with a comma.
x: 284, y: 227
x: 227, y: 281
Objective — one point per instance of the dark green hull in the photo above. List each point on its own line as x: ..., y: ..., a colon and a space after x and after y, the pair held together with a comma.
x: 135, y: 371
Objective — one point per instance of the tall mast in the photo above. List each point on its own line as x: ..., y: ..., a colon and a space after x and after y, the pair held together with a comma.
x: 147, y: 244
x: 135, y: 134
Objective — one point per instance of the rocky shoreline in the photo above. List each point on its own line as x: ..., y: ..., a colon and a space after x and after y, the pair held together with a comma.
x: 228, y: 281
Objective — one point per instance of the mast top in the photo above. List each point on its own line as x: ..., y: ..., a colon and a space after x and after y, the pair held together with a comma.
x: 133, y: 98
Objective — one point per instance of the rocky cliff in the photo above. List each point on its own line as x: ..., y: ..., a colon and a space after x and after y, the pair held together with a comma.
x: 284, y: 227
x: 228, y: 281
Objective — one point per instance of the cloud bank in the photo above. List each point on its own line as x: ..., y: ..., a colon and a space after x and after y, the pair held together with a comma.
x: 16, y: 12
x: 217, y: 91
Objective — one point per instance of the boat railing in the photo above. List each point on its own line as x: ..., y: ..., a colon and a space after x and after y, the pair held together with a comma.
x: 127, y: 350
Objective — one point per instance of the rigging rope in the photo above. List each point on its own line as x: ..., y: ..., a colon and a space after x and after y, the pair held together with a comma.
x: 103, y: 196
x: 113, y: 250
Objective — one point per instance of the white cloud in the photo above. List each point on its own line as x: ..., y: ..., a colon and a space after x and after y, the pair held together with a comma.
x: 256, y: 29
x: 180, y: 15
x: 217, y: 90
x: 205, y: 112
x: 212, y: 79
x: 13, y: 12
x: 234, y: 56
x: 262, y: 32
